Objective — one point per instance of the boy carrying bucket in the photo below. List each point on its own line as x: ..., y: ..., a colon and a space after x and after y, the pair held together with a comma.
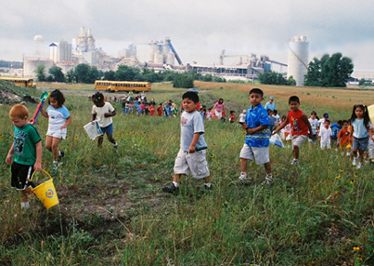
x: 27, y: 151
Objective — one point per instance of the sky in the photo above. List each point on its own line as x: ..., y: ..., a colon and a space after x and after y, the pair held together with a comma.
x: 199, y: 29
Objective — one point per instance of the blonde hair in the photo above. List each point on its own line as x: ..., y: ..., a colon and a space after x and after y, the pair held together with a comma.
x: 19, y: 111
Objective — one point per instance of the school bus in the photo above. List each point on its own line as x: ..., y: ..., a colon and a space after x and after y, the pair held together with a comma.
x: 28, y: 83
x: 125, y: 86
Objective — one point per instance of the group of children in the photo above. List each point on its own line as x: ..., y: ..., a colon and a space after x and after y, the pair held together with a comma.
x: 191, y: 158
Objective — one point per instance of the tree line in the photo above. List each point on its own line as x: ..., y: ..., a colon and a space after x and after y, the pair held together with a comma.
x: 84, y: 73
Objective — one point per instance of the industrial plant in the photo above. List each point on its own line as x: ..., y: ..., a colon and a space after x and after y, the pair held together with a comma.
x: 163, y: 56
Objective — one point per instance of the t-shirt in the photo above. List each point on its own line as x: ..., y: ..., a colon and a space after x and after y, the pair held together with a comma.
x: 270, y: 106
x: 272, y: 120
x: 314, y: 124
x: 335, y: 130
x: 257, y: 116
x: 321, y: 122
x: 57, y: 117
x: 325, y: 135
x: 297, y: 123
x: 100, y: 111
x: 344, y: 136
x: 159, y: 110
x: 232, y: 118
x: 219, y: 106
x: 277, y: 119
x: 192, y: 123
x: 25, y: 139
x: 359, y: 129
x: 242, y: 118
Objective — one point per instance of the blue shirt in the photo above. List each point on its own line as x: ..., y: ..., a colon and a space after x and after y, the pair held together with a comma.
x: 359, y: 129
x: 335, y: 130
x: 270, y: 106
x: 255, y: 117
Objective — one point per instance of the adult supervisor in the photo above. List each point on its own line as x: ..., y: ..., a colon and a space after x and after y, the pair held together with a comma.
x: 270, y: 104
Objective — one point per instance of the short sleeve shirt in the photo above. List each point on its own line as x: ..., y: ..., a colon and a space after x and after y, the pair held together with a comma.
x: 255, y: 117
x: 270, y: 106
x: 192, y: 123
x: 359, y: 129
x: 325, y: 135
x: 25, y: 139
x: 298, y: 125
x: 100, y: 111
x: 314, y: 124
x: 57, y: 117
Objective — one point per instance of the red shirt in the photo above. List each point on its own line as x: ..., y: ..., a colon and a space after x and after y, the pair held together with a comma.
x: 159, y: 110
x: 298, y: 125
x: 232, y: 117
x: 151, y: 110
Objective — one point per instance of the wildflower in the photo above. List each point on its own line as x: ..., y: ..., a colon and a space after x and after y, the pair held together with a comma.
x: 76, y: 138
x: 336, y: 192
x: 353, y: 181
x: 329, y: 166
x: 233, y: 144
x: 338, y: 176
x: 212, y: 156
x: 356, y: 248
x: 355, y: 175
x: 341, y: 170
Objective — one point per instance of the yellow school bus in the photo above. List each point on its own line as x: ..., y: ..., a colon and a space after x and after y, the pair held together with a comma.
x: 28, y: 83
x: 125, y: 86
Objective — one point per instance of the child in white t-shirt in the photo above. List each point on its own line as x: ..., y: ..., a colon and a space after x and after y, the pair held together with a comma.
x: 325, y: 135
x: 104, y: 111
x: 314, y: 123
x: 242, y: 116
x: 59, y: 119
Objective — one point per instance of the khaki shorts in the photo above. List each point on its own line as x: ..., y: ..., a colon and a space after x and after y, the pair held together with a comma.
x: 298, y: 140
x: 257, y: 154
x: 194, y: 163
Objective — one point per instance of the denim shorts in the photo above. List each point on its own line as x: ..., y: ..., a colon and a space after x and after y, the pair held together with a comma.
x: 108, y: 130
x: 361, y: 144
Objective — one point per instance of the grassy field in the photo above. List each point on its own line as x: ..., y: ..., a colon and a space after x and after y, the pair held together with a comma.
x: 112, y: 210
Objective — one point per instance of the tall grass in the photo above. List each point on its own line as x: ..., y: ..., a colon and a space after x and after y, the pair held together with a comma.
x: 112, y: 210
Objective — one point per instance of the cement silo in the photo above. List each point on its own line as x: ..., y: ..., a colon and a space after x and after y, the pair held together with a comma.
x: 53, y: 52
x: 159, y: 58
x: 298, y: 59
x: 170, y: 58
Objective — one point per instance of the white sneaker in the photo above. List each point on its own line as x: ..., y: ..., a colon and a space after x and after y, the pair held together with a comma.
x: 359, y: 165
x: 269, y: 179
x: 243, y: 176
x: 294, y: 162
x: 355, y: 160
x: 115, y: 145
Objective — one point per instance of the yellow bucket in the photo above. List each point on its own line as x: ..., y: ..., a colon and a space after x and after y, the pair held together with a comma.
x: 46, y: 192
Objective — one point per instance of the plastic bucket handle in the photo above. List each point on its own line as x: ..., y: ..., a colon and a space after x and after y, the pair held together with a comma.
x: 32, y: 176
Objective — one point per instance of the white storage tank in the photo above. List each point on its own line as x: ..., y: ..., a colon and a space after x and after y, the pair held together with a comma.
x: 170, y: 58
x: 159, y: 58
x: 298, y: 59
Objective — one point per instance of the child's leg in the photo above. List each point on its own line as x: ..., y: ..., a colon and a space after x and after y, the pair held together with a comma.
x: 100, y: 140
x: 296, y: 152
x: 354, y: 152
x: 25, y: 198
x: 361, y: 152
x: 177, y: 178
x: 55, y: 151
x: 268, y: 167
x: 243, y: 165
x: 111, y: 139
x: 48, y: 143
x: 207, y: 180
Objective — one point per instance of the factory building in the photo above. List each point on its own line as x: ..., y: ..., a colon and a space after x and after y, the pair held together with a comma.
x: 298, y: 59
x: 30, y: 62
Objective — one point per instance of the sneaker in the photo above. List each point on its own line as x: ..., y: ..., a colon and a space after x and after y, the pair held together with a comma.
x: 243, y: 176
x: 115, y: 145
x: 359, y: 166
x: 269, y: 179
x: 60, y: 156
x: 355, y: 160
x: 294, y: 162
x: 171, y: 189
x: 206, y: 189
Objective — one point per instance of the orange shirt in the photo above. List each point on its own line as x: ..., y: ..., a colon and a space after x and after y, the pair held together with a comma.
x: 344, y: 137
x: 151, y: 110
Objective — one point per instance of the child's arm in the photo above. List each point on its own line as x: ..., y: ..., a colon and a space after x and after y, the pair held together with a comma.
x: 253, y: 130
x: 110, y: 114
x: 67, y: 123
x: 305, y: 119
x: 38, y: 163
x: 195, y: 139
x: 9, y: 157
x: 281, y: 126
x: 44, y: 113
x: 93, y: 117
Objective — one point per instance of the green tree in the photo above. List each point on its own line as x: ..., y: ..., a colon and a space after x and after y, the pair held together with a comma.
x: 275, y: 78
x: 126, y: 73
x: 70, y: 76
x: 331, y: 71
x: 40, y: 72
x: 56, y: 74
x: 362, y: 82
x: 109, y: 75
x: 183, y: 80
x: 81, y: 73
